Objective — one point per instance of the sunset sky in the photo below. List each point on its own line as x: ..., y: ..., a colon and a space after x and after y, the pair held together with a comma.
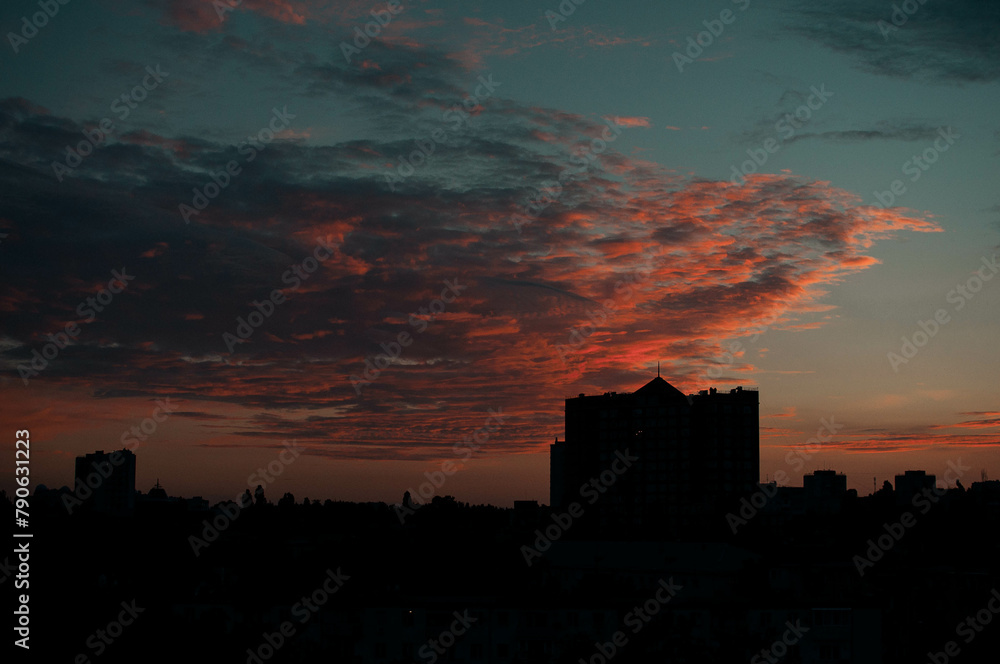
x: 811, y: 262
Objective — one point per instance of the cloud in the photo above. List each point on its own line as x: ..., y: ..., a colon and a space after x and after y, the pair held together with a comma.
x: 911, y: 438
x: 987, y: 420
x: 629, y: 121
x: 941, y: 41
x: 883, y: 131
x: 783, y: 125
x: 662, y: 265
x: 206, y: 16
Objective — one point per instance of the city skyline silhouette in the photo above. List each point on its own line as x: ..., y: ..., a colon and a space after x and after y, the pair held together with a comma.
x: 571, y: 332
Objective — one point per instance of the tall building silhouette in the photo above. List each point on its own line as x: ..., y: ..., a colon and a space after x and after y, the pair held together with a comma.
x: 111, y: 478
x: 824, y: 491
x: 696, y: 453
x: 911, y: 483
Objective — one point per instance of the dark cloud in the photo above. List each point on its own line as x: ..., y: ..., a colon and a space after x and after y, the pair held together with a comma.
x: 785, y: 127
x: 883, y: 131
x: 941, y: 41
x: 662, y: 265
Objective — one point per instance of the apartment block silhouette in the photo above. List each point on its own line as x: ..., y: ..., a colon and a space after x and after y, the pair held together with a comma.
x: 695, y: 454
x: 111, y: 478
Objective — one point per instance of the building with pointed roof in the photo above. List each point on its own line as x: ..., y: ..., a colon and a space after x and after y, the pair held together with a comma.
x: 696, y: 455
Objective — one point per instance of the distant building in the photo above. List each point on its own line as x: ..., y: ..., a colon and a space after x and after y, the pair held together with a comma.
x: 986, y: 494
x: 111, y: 480
x: 695, y: 454
x: 157, y: 492
x: 824, y: 491
x: 156, y: 501
x: 785, y: 506
x: 911, y: 483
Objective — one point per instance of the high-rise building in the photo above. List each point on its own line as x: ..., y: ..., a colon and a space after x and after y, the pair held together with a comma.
x: 694, y: 454
x: 111, y: 480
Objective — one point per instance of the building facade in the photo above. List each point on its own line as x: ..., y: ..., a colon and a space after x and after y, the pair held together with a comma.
x: 111, y: 479
x: 694, y: 454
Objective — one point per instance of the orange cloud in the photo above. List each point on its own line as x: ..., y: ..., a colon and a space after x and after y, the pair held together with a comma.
x: 629, y: 121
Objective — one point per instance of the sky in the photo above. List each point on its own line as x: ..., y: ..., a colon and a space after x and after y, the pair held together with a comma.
x: 215, y: 218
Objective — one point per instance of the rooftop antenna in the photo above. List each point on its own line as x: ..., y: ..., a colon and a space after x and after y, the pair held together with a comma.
x: 657, y: 369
